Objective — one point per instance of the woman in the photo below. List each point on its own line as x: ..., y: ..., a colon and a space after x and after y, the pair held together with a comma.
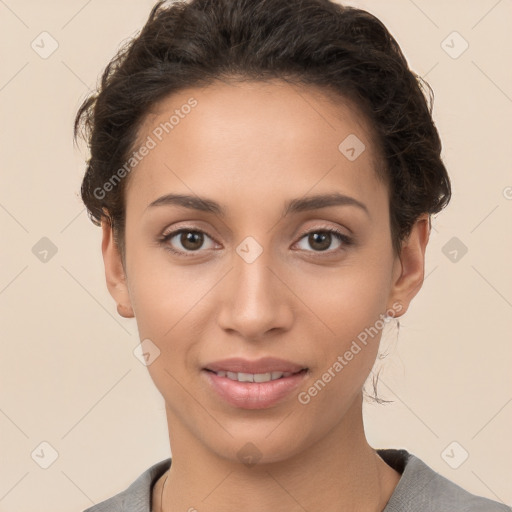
x: 264, y: 172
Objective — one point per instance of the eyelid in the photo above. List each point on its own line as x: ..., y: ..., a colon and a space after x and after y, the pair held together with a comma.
x: 343, y: 238
x: 167, y: 235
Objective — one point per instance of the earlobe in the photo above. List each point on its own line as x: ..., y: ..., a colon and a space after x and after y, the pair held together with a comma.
x: 125, y: 311
x: 409, y: 267
x: 114, y: 271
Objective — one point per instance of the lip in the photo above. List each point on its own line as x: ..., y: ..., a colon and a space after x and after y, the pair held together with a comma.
x: 263, y: 365
x: 253, y: 395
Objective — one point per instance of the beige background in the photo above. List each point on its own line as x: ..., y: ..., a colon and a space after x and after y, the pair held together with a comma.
x: 68, y: 376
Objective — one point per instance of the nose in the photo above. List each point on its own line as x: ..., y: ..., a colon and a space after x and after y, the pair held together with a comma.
x: 255, y: 298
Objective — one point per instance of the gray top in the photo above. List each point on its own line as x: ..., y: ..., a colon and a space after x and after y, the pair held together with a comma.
x: 420, y: 489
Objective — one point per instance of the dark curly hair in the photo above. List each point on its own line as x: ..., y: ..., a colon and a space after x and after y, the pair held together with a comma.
x: 346, y: 51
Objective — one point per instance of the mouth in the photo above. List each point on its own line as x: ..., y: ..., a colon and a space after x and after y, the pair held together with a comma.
x: 243, y: 390
x: 255, y: 377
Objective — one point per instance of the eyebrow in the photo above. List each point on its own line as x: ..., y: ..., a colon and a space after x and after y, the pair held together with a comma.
x: 303, y: 204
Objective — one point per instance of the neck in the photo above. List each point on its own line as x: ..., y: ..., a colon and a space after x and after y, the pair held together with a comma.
x: 339, y: 468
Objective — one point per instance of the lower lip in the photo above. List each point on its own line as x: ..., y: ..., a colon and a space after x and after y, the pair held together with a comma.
x: 254, y: 395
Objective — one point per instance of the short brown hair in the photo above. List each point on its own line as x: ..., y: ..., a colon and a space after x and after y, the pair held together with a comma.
x: 345, y: 50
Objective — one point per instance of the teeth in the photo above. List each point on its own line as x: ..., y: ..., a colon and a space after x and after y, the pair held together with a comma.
x: 253, y: 377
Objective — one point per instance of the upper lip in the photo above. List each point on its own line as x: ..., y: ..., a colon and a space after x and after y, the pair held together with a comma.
x: 263, y: 365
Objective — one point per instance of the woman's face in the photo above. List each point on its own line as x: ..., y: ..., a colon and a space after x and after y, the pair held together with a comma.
x: 256, y: 274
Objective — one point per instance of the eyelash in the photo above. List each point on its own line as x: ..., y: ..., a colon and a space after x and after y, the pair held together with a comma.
x: 342, y: 237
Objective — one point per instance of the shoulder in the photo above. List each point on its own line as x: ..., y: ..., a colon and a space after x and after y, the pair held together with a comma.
x: 421, y: 488
x: 137, y: 497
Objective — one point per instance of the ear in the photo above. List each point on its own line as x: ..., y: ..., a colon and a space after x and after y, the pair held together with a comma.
x: 409, y: 265
x: 114, y: 271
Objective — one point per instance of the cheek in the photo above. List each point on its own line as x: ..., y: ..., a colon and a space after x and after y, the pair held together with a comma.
x: 350, y: 346
x: 346, y: 352
x: 341, y: 301
x: 350, y: 298
x: 351, y: 305
x: 172, y: 303
x: 164, y: 292
x: 334, y: 307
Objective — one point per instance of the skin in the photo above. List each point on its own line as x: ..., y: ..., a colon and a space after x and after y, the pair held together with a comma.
x: 251, y: 147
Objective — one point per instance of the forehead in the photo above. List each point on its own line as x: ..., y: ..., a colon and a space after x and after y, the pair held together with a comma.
x: 252, y: 137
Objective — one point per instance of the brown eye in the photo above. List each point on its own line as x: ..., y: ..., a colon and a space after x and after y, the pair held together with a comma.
x: 321, y: 239
x: 185, y: 241
x: 191, y: 240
